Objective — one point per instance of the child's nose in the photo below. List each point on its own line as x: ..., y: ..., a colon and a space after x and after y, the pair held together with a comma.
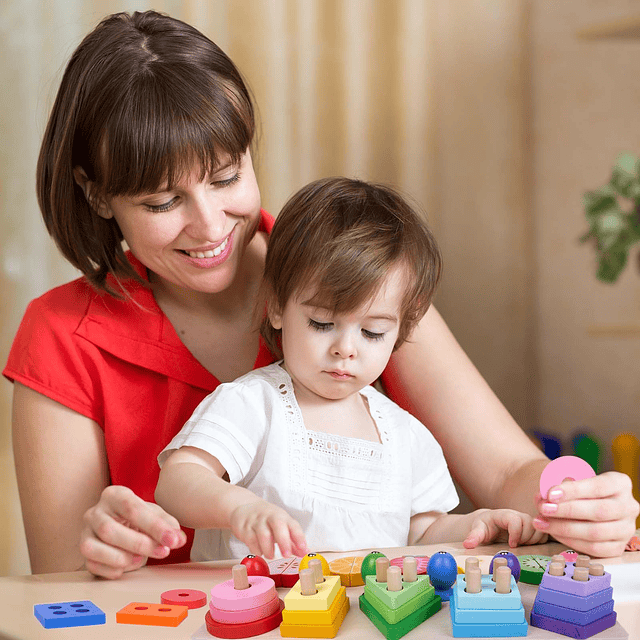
x: 344, y: 346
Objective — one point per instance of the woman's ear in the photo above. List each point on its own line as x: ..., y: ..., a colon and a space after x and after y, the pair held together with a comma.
x: 87, y: 186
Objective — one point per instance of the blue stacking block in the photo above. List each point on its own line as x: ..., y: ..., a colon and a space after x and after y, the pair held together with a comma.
x: 79, y: 613
x: 487, y: 614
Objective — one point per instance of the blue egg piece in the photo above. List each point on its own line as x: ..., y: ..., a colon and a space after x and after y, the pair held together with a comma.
x: 442, y: 570
x: 512, y: 562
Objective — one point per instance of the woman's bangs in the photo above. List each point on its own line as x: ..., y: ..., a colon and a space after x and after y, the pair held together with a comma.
x: 158, y: 138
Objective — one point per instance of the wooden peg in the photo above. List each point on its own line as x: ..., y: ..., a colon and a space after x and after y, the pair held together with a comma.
x: 581, y: 574
x: 596, y: 569
x: 409, y: 569
x: 583, y: 561
x: 382, y: 565
x: 470, y: 563
x: 561, y: 559
x: 316, y: 565
x: 473, y: 578
x: 497, y: 563
x: 308, y: 582
x: 503, y: 579
x: 556, y: 569
x: 240, y: 579
x: 394, y: 579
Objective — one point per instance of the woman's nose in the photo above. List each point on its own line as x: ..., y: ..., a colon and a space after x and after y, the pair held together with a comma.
x: 207, y: 220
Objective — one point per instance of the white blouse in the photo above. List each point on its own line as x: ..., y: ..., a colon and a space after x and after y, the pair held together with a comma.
x: 346, y: 493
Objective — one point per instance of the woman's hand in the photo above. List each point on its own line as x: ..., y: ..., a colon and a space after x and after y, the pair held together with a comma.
x: 122, y: 531
x: 493, y: 525
x: 261, y: 524
x: 595, y: 516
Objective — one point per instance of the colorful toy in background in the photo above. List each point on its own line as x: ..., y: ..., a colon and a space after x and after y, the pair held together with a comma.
x: 316, y: 605
x: 58, y: 615
x: 284, y: 571
x: 244, y: 606
x: 574, y: 599
x: 532, y: 568
x: 349, y: 570
x: 489, y: 605
x: 442, y: 570
x: 397, y: 600
x: 510, y: 560
x: 626, y: 455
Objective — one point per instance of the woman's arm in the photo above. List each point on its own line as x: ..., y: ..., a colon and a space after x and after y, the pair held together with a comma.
x: 71, y: 514
x: 192, y: 488
x: 491, y: 458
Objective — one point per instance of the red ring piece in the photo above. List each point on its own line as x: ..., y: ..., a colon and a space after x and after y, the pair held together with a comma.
x: 191, y: 598
x: 244, y: 629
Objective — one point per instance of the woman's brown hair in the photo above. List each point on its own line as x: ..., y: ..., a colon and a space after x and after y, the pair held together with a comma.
x: 143, y: 97
x: 339, y: 238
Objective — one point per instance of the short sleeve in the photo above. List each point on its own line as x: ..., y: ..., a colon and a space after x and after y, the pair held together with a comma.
x: 48, y: 356
x: 433, y: 488
x: 232, y: 424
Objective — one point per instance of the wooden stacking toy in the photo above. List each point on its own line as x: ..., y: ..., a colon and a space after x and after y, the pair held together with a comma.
x: 244, y: 606
x: 315, y: 606
x: 398, y: 600
x: 487, y: 605
x: 574, y: 599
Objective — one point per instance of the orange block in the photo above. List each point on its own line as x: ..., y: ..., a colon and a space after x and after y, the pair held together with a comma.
x: 349, y: 570
x: 159, y: 615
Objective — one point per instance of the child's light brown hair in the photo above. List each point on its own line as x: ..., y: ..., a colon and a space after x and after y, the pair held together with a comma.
x: 341, y: 237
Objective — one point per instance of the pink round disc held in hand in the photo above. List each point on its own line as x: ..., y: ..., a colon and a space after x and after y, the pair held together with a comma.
x: 563, y: 468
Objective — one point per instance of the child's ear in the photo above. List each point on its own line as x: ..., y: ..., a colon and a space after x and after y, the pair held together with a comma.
x: 87, y: 186
x: 275, y: 316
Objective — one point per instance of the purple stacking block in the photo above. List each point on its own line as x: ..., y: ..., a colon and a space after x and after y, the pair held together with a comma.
x: 571, y: 601
x: 571, y: 615
x: 567, y: 584
x: 571, y: 629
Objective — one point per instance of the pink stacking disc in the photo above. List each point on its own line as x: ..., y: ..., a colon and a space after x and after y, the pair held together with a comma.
x: 564, y: 467
x: 245, y: 615
x: 261, y: 591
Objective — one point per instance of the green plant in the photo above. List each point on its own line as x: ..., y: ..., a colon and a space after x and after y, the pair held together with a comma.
x: 613, y: 214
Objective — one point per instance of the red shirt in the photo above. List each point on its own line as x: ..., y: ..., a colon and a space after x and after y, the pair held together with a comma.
x: 121, y: 364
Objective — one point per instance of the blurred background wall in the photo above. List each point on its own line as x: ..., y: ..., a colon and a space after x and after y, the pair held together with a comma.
x: 494, y: 116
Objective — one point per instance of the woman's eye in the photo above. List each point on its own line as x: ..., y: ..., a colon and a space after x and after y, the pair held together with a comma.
x: 320, y: 326
x: 371, y: 335
x: 227, y: 181
x: 159, y: 208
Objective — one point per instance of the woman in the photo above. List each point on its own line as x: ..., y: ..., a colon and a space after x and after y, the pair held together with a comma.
x: 149, y: 141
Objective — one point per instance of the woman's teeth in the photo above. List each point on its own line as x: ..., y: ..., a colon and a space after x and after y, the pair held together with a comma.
x: 209, y: 254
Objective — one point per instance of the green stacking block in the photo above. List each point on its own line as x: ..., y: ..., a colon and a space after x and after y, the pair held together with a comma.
x: 399, y: 629
x: 395, y: 599
x: 392, y: 616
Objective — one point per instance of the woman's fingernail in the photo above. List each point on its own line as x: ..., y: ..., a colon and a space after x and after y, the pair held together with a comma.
x: 161, y: 552
x: 169, y: 539
x: 555, y: 495
x: 538, y: 523
x: 548, y: 508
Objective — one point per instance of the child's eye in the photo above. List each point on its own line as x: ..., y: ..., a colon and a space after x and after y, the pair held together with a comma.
x: 371, y: 335
x: 320, y: 326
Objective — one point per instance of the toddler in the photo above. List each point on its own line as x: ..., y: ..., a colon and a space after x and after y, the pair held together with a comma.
x: 305, y: 453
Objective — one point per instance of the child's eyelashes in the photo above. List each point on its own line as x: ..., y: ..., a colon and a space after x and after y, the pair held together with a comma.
x: 320, y: 326
x: 326, y: 326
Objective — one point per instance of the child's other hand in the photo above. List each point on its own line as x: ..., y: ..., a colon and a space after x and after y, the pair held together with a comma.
x: 596, y: 516
x: 260, y: 525
x: 501, y: 525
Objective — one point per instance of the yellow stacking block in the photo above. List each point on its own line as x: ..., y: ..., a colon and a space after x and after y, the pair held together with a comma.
x: 317, y: 617
x: 309, y: 629
x: 320, y: 601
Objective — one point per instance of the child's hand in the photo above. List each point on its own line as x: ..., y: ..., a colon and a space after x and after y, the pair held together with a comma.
x: 493, y: 525
x: 596, y: 516
x: 261, y: 524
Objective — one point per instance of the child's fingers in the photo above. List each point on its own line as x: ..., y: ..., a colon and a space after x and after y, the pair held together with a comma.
x: 515, y: 528
x: 479, y: 533
x: 282, y: 536
x: 298, y: 539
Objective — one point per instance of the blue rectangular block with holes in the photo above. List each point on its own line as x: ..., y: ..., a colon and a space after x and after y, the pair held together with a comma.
x: 79, y: 613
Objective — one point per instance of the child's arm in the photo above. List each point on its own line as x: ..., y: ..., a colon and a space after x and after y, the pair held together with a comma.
x: 478, y: 527
x: 191, y: 488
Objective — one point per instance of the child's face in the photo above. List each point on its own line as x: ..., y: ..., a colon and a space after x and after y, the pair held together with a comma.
x: 333, y: 356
